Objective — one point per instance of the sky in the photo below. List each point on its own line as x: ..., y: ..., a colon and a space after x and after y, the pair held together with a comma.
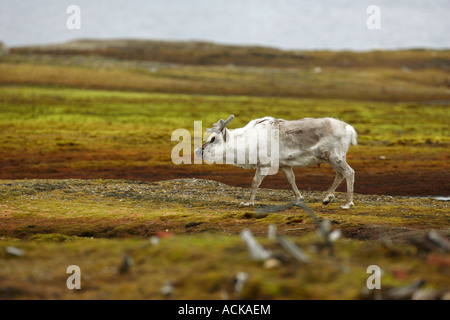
x: 285, y: 24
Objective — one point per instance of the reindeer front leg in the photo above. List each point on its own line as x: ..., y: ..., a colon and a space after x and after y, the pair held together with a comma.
x: 257, y: 179
x: 290, y: 177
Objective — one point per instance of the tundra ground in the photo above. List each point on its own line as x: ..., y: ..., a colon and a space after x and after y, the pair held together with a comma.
x: 85, y: 158
x: 95, y: 224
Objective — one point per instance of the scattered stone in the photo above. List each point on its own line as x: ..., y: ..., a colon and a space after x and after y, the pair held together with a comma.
x: 335, y: 234
x: 272, y: 263
x: 405, y: 69
x: 154, y: 240
x: 167, y: 289
x: 14, y: 251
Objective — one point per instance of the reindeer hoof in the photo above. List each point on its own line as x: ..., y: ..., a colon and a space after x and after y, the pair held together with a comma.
x: 328, y: 199
x: 246, y: 204
x: 347, y: 205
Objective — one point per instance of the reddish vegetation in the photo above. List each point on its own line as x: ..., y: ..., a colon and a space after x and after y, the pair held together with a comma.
x: 372, y: 177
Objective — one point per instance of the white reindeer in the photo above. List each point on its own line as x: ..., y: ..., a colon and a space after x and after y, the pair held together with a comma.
x: 301, y: 143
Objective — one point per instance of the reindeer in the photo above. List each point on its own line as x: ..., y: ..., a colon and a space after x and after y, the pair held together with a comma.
x: 301, y: 143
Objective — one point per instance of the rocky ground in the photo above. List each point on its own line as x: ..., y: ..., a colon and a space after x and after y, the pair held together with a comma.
x: 133, y: 238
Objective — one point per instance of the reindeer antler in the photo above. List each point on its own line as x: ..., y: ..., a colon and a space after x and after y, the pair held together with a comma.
x: 220, y: 125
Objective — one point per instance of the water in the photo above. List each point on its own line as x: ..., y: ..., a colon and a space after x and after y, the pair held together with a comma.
x: 286, y: 24
x: 440, y: 198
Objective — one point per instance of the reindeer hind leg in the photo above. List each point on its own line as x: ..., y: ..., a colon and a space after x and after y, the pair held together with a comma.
x: 330, y: 192
x: 343, y: 171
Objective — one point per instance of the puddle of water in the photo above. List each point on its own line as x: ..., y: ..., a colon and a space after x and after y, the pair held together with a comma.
x: 440, y: 198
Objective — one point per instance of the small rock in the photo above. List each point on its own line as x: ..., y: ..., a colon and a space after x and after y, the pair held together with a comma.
x: 405, y: 69
x: 14, y: 251
x: 154, y: 240
x: 335, y: 234
x: 167, y: 289
x: 272, y: 263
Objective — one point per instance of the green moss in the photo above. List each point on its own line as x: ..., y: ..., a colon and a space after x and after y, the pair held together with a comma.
x: 51, y: 237
x: 102, y: 121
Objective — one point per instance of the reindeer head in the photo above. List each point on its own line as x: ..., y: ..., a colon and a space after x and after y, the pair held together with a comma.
x: 216, y: 140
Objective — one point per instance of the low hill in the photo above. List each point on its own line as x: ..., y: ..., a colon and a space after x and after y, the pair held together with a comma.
x: 205, y: 53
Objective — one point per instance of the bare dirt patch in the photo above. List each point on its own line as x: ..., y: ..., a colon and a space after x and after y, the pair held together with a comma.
x: 384, y: 178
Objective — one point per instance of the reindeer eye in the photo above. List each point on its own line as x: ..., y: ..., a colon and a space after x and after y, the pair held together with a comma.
x: 213, y: 139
